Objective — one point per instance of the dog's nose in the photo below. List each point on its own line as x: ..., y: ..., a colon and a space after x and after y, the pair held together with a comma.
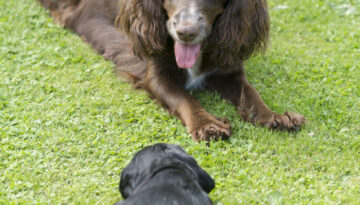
x: 187, y: 33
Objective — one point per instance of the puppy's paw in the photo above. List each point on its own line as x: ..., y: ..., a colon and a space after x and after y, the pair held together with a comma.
x: 288, y: 121
x: 213, y: 129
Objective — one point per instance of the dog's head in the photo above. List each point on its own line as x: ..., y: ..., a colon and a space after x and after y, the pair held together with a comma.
x: 152, y: 159
x: 233, y: 29
x: 189, y: 24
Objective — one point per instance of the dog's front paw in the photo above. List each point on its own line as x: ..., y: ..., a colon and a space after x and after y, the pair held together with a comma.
x: 288, y: 121
x: 214, y: 129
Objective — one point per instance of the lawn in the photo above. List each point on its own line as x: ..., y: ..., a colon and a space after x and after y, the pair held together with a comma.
x: 68, y: 125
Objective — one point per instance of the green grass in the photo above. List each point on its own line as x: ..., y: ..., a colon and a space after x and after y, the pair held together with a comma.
x: 68, y: 126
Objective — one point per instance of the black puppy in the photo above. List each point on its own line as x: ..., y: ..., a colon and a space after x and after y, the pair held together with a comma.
x: 164, y: 174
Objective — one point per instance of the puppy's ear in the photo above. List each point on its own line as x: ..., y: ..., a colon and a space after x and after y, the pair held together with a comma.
x: 140, y: 167
x: 205, y: 181
x: 127, y: 181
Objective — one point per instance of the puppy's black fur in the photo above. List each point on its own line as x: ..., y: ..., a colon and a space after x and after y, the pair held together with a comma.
x: 164, y: 174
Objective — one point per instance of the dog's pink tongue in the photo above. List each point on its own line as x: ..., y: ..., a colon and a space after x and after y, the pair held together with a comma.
x: 186, y: 56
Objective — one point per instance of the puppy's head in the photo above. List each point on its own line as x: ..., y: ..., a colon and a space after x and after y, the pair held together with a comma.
x: 152, y: 159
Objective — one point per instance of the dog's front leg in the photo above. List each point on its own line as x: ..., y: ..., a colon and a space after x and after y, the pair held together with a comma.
x: 235, y: 88
x: 161, y: 84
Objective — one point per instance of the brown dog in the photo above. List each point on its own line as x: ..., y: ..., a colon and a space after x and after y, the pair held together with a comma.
x: 171, y: 46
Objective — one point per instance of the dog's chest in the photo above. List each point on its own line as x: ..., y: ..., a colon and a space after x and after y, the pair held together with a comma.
x: 195, y: 78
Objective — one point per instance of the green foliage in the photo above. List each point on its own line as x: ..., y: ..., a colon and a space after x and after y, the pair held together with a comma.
x: 68, y: 125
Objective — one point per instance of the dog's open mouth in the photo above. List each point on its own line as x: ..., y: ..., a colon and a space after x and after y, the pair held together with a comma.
x: 186, y: 55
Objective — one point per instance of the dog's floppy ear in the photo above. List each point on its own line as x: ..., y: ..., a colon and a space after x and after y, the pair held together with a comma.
x: 144, y: 22
x: 241, y: 30
x: 141, y: 166
x: 205, y: 181
x: 130, y: 178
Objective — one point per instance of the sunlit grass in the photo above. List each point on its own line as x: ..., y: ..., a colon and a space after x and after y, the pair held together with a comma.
x: 68, y: 126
